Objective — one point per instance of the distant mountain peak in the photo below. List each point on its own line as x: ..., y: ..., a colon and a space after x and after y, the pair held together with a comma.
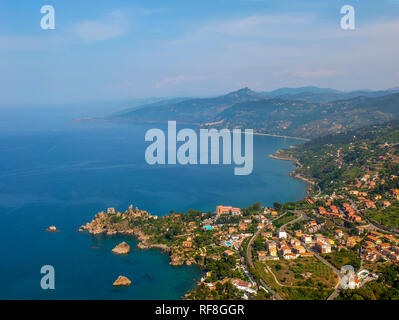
x: 243, y: 92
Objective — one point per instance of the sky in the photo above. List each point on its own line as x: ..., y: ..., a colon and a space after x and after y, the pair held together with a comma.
x: 125, y: 49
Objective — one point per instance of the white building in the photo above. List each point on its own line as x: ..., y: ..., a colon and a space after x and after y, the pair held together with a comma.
x: 282, y: 235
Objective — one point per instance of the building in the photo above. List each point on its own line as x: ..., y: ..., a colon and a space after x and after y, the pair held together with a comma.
x: 298, y: 233
x: 373, y: 239
x: 322, y: 210
x: 307, y: 254
x: 295, y: 242
x: 339, y: 233
x: 290, y: 256
x: 323, y: 247
x: 187, y: 244
x: 282, y: 235
x: 262, y: 255
x: 228, y: 253
x: 306, y: 238
x: 334, y: 209
x: 299, y: 249
x: 386, y: 204
x: 227, y: 210
x: 285, y: 249
x: 370, y: 204
x: 309, y: 201
x: 111, y: 210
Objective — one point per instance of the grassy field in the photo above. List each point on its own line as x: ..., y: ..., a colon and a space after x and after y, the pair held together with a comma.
x: 342, y: 258
x: 300, y: 279
x: 307, y: 272
x: 388, y: 217
x: 290, y: 293
x: 285, y: 219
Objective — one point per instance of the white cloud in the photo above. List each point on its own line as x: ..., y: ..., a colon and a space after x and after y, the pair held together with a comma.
x: 259, y: 25
x: 113, y: 26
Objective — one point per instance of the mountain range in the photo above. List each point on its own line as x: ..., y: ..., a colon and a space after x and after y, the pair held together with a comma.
x: 306, y: 112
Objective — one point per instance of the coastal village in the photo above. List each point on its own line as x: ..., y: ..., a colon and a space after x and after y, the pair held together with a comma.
x: 340, y: 237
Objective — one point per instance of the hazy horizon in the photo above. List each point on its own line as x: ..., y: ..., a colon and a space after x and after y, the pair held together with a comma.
x: 134, y: 50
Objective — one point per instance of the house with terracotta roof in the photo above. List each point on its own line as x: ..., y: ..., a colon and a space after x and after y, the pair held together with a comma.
x: 386, y: 204
x: 323, y: 247
x: 307, y: 254
x: 334, y: 209
x: 373, y: 239
x: 187, y: 244
x: 261, y: 255
x: 306, y: 238
x: 310, y: 201
x: 322, y: 210
x: 290, y: 256
x: 299, y: 249
x: 370, y: 204
x: 339, y: 233
x: 228, y: 253
x: 227, y: 210
x: 376, y: 234
x: 285, y: 249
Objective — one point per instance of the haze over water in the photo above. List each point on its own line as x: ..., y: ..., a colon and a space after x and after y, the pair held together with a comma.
x: 57, y: 172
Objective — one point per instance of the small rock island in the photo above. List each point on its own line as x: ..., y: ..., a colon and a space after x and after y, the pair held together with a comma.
x: 122, y: 248
x: 122, y: 281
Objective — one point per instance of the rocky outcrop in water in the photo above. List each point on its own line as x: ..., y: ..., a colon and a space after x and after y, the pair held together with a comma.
x: 122, y: 281
x: 122, y: 248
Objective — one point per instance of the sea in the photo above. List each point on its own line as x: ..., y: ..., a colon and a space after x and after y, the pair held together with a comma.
x: 56, y: 171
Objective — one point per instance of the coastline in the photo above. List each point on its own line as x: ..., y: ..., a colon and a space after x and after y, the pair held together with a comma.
x: 293, y: 174
x: 122, y: 120
x: 147, y: 240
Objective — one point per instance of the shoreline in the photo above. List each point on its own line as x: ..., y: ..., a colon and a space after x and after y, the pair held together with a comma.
x: 121, y: 120
x: 175, y: 255
x: 292, y: 174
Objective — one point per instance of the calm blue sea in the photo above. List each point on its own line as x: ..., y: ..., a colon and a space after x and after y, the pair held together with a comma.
x: 57, y: 172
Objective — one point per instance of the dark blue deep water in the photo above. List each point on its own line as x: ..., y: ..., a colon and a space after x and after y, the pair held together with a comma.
x: 57, y: 172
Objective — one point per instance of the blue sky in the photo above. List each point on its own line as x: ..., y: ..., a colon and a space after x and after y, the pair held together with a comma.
x: 111, y: 50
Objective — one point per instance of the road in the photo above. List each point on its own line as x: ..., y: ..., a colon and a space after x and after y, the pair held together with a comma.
x: 276, y: 296
x: 375, y: 225
x: 319, y: 257
x: 308, y: 248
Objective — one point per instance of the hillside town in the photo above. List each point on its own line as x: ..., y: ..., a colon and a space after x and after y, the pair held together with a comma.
x: 342, y: 236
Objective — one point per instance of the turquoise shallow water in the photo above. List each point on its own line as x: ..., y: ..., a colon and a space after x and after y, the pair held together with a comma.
x: 57, y: 172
